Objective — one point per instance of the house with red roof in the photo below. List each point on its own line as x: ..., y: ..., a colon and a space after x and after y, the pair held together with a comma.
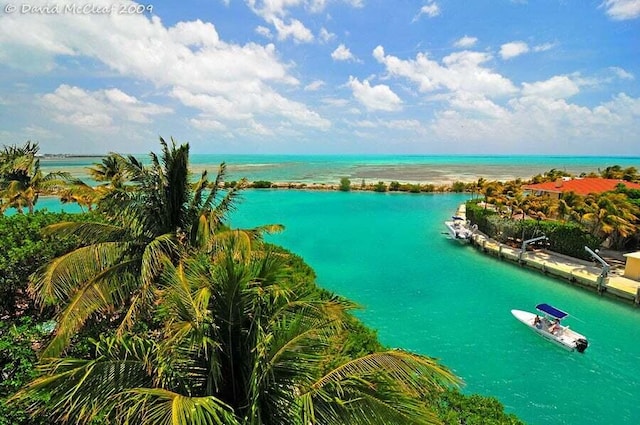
x: 580, y: 186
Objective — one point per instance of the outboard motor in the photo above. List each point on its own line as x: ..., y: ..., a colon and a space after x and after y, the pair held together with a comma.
x: 581, y: 345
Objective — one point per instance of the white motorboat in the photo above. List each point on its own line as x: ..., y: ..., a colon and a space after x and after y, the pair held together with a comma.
x: 547, y: 324
x: 459, y: 229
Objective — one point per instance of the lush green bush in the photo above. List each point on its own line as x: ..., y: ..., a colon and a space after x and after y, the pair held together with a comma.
x: 454, y: 408
x: 261, y: 184
x: 345, y: 184
x: 414, y: 188
x: 17, y: 367
x: 380, y: 187
x: 23, y: 249
x: 394, y: 186
x: 458, y: 187
x: 479, y: 216
x: 569, y: 239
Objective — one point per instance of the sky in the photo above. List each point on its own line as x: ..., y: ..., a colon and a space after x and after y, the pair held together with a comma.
x: 557, y: 77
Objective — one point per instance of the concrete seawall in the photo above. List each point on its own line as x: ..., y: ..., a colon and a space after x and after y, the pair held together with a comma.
x: 575, y: 271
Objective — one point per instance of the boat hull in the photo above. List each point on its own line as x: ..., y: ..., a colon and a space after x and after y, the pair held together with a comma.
x: 566, y: 338
x: 459, y: 231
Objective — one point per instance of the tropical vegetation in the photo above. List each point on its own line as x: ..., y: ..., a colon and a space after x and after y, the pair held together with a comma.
x: 611, y: 218
x: 162, y: 313
x: 21, y: 179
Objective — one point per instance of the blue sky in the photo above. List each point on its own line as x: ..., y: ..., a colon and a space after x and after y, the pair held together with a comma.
x: 323, y: 76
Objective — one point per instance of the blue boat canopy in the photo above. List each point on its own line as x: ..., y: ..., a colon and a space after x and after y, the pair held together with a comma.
x: 457, y: 217
x: 552, y: 311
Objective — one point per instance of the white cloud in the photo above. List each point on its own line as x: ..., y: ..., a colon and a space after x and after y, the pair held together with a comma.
x: 314, y: 85
x: 477, y: 104
x: 460, y: 71
x: 513, y: 49
x: 544, y: 47
x: 408, y: 125
x: 431, y: 10
x: 98, y: 110
x: 342, y: 53
x: 207, y: 124
x: 326, y: 36
x: 294, y: 29
x: 466, y: 42
x: 558, y: 87
x: 543, y: 124
x: 622, y: 9
x: 188, y: 61
x: 622, y: 74
x: 374, y: 98
x: 264, y: 31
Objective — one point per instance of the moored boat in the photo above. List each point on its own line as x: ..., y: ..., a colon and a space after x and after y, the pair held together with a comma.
x: 459, y: 229
x: 548, y: 325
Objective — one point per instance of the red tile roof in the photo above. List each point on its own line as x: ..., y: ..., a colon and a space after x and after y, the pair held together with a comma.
x: 581, y: 186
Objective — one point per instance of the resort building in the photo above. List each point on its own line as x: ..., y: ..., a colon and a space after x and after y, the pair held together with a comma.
x: 580, y: 186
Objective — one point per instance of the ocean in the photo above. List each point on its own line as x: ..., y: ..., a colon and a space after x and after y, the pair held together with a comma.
x: 436, y: 169
x: 427, y: 294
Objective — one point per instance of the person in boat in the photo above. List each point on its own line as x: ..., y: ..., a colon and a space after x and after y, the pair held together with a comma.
x: 537, y: 323
x: 554, y: 327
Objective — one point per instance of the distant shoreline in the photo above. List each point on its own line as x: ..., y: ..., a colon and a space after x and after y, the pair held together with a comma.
x: 294, y: 171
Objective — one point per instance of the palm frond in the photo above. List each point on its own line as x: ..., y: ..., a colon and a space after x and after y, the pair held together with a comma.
x: 409, y: 370
x: 159, y: 407
x: 101, y: 293
x: 87, y: 232
x: 57, y: 280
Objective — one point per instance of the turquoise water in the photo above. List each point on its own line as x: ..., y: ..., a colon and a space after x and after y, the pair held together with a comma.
x: 406, y: 168
x: 424, y: 293
x: 428, y: 294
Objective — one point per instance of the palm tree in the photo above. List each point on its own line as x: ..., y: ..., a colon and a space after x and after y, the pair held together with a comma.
x: 612, y: 215
x: 81, y: 193
x: 109, y: 171
x: 21, y: 179
x: 243, y: 343
x: 114, y: 272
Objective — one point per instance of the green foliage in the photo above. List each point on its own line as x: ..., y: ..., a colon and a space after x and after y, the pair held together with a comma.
x: 458, y: 187
x: 23, y: 250
x: 380, y: 187
x: 345, y: 184
x: 479, y: 215
x: 17, y: 367
x: 568, y: 238
x: 414, y: 188
x: 564, y: 238
x: 261, y: 184
x: 632, y: 194
x: 394, y: 186
x: 247, y: 339
x: 21, y: 179
x: 454, y: 408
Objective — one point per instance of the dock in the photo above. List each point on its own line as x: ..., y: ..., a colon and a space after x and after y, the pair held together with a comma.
x: 573, y: 270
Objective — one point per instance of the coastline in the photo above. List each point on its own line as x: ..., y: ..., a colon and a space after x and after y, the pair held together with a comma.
x: 320, y: 170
